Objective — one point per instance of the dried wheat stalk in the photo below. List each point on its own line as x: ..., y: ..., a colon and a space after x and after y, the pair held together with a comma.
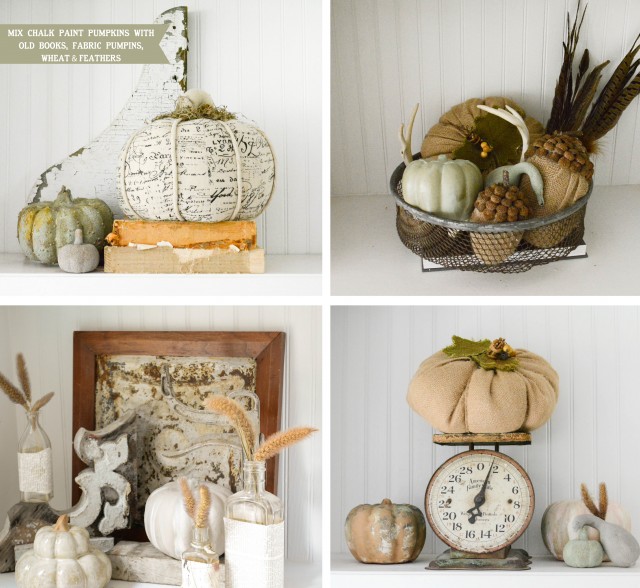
x: 236, y: 414
x: 187, y: 498
x: 23, y: 376
x: 588, y: 501
x: 23, y: 397
x: 202, y: 515
x: 278, y: 441
x: 604, y: 501
x: 13, y: 393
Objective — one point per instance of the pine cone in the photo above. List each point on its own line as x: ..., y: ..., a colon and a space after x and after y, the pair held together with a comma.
x: 567, y: 150
x: 500, y: 203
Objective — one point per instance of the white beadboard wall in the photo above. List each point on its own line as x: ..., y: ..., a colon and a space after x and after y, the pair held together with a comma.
x: 389, y: 54
x: 45, y: 336
x: 380, y: 448
x: 261, y: 58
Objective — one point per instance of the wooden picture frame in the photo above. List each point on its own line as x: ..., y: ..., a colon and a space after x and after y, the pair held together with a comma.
x: 266, y: 348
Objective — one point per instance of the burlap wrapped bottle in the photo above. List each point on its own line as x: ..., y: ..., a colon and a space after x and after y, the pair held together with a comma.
x: 462, y: 389
x: 456, y: 126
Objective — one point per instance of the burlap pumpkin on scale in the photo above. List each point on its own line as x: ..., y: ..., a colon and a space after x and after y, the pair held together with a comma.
x: 484, y: 387
x: 455, y: 134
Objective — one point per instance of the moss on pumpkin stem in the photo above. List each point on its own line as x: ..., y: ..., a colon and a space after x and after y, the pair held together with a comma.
x: 488, y: 355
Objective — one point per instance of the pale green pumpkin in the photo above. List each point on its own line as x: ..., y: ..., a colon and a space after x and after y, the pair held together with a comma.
x: 445, y: 188
x: 44, y: 227
x: 583, y: 552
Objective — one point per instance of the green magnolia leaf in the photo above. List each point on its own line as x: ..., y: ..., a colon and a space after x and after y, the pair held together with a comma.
x: 477, y: 351
x: 501, y: 135
x: 466, y: 348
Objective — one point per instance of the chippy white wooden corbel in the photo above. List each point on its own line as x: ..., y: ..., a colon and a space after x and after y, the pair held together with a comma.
x: 91, y: 171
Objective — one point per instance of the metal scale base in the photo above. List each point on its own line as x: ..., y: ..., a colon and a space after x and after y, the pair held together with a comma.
x: 505, y: 559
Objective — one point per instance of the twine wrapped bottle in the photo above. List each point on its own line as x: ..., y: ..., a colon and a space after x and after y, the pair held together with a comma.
x: 254, y: 531
x: 35, y: 465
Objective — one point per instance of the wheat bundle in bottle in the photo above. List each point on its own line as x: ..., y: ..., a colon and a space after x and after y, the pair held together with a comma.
x: 484, y: 387
x: 35, y: 462
x: 254, y: 517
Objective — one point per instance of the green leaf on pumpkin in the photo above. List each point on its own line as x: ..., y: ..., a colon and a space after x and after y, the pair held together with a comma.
x: 501, y: 135
x: 466, y: 348
x: 477, y: 351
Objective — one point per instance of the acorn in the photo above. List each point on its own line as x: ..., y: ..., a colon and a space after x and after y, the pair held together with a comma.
x: 500, y: 203
x: 566, y: 150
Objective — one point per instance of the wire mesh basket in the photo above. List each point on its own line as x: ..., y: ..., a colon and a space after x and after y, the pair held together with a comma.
x: 508, y: 248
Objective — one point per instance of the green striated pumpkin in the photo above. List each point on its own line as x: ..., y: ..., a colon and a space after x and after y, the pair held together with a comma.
x: 44, y: 227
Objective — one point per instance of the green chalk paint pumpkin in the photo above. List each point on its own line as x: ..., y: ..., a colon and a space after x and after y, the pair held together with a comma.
x: 44, y: 227
x: 583, y: 552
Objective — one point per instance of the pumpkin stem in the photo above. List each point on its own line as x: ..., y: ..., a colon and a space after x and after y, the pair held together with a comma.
x: 62, y: 524
x: 386, y: 502
x: 78, y: 238
x: 499, y: 349
x: 64, y: 196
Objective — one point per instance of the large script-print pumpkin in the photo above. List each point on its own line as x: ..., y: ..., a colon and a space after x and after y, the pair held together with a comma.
x: 461, y: 389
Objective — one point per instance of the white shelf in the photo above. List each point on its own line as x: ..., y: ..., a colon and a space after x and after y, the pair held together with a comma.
x: 296, y: 575
x: 285, y: 274
x: 545, y: 572
x: 368, y: 258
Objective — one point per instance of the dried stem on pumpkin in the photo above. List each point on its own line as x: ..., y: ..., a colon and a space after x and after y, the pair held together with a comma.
x: 278, y: 441
x: 237, y: 415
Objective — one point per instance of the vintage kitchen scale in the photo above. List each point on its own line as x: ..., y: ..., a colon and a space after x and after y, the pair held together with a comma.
x: 479, y: 502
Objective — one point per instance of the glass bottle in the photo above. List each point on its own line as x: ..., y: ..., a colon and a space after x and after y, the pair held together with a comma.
x: 35, y: 466
x: 254, y: 504
x: 200, y: 563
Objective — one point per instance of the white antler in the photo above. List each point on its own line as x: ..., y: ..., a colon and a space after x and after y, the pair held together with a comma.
x: 407, y: 154
x: 515, y: 119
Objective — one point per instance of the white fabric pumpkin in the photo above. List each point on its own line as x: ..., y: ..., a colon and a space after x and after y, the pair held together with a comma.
x: 558, y: 516
x: 199, y: 170
x: 444, y: 187
x: 62, y: 556
x: 168, y: 525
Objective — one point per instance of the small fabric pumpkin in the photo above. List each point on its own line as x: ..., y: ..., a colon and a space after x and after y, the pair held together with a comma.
x: 45, y: 227
x: 461, y: 132
x: 484, y: 387
x: 446, y: 188
x: 62, y: 556
x: 168, y: 525
x: 583, y: 552
x: 78, y: 257
x: 385, y: 533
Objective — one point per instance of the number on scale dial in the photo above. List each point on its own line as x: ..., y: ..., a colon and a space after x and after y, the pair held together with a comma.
x: 479, y: 501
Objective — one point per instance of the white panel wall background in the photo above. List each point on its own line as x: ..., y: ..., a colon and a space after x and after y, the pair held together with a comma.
x: 261, y: 58
x: 45, y: 336
x: 380, y: 448
x: 389, y: 54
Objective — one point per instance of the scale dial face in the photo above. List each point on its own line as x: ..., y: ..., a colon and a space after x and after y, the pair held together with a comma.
x: 479, y: 501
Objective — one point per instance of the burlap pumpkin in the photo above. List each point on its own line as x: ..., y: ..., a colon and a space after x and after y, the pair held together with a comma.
x: 562, y: 188
x: 456, y: 395
x: 454, y: 126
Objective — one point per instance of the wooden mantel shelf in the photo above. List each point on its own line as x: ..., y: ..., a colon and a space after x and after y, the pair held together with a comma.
x: 545, y: 571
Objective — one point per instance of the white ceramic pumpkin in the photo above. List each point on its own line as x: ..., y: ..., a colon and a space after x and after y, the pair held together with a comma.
x: 201, y: 170
x: 63, y: 557
x: 168, y: 525
x: 558, y: 516
x: 444, y: 187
